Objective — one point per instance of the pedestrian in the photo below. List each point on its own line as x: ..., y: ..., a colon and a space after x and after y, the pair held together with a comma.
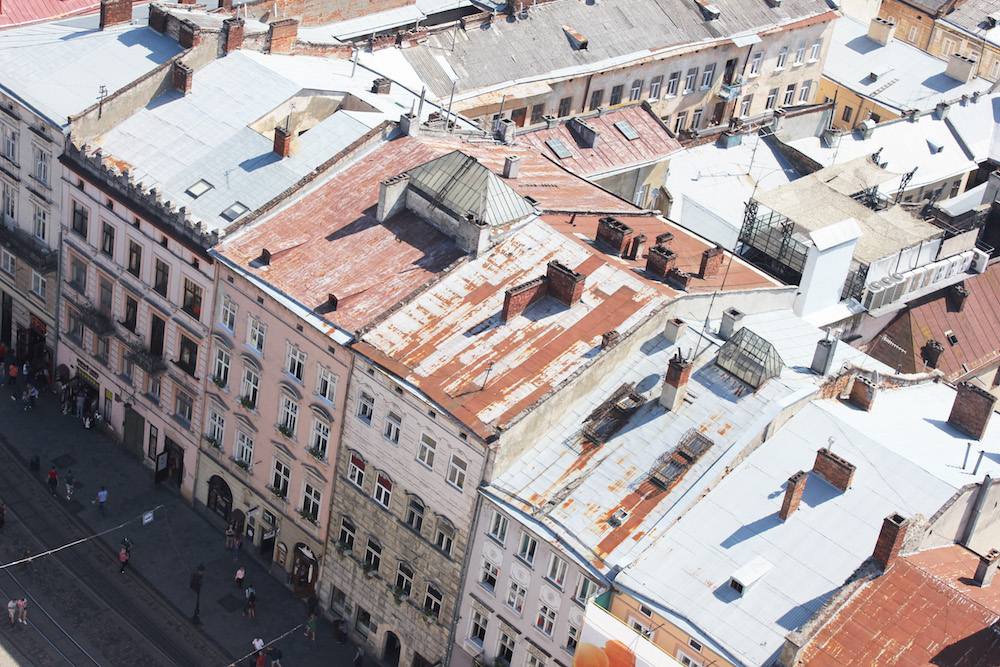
x: 25, y: 369
x: 275, y: 655
x: 238, y: 579
x: 237, y: 543
x: 32, y: 396
x: 311, y: 627
x: 80, y: 400
x: 22, y: 608
x: 250, y: 590
x: 359, y: 657
x: 25, y: 400
x: 102, y: 497
x: 230, y: 536
x: 12, y: 611
x: 12, y: 375
x: 127, y: 545
x: 338, y: 631
x: 251, y: 606
x: 258, y: 644
x: 3, y: 516
x: 53, y: 480
x: 70, y: 483
x: 123, y: 557
x: 260, y: 659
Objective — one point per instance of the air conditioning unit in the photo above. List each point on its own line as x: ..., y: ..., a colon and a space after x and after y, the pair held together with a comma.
x: 953, y: 263
x: 939, y: 269
x: 895, y: 289
x: 908, y: 278
x: 874, y: 295
x: 967, y: 258
x: 979, y: 260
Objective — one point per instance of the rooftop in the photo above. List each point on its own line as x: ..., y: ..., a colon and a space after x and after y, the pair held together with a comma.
x: 72, y: 60
x: 908, y: 78
x: 22, y: 13
x: 925, y: 610
x: 614, y: 152
x: 904, y: 463
x: 976, y: 126
x: 824, y: 198
x: 971, y: 16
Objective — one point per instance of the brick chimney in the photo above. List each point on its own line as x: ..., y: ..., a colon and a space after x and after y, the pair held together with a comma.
x: 834, y: 469
x: 614, y: 234
x: 987, y: 568
x: 890, y: 540
x: 678, y: 278
x: 664, y: 239
x: 637, y: 247
x: 931, y: 352
x: 518, y: 298
x: 957, y: 294
x: 382, y: 85
x: 660, y: 261
x: 711, y: 262
x: 565, y: 284
x: 675, y: 382
x: 863, y: 393
x: 282, y: 35
x: 391, y: 197
x: 881, y: 31
x: 282, y: 142
x: 183, y: 77
x: 793, y: 494
x: 115, y: 12
x: 609, y: 339
x: 188, y: 35
x: 971, y: 411
x: 233, y: 29
x: 157, y: 18
x: 732, y: 321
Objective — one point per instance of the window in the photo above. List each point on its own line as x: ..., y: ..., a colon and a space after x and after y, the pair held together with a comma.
x: 696, y: 645
x: 772, y: 97
x: 814, y: 53
x: 192, y: 299
x: 745, y: 105
x: 356, y: 471
x: 526, y: 549
x: 584, y: 589
x: 645, y: 611
x: 38, y: 284
x: 161, y: 278
x: 107, y: 239
x: 948, y: 48
x: 103, y: 351
x: 295, y: 362
x: 81, y: 217
x: 320, y: 439
x: 681, y: 121
x: 572, y: 638
x: 846, y: 116
x: 41, y: 222
x: 326, y: 384
x: 78, y: 273
x: 954, y: 190
x: 220, y: 374
x: 244, y: 448
x: 789, y: 95
x: 393, y: 423
x: 105, y: 294
x: 235, y: 210
x: 9, y: 143
x: 216, y: 427
x: 250, y: 387
x: 366, y: 408
x: 636, y: 91
x: 707, y: 76
x: 415, y: 514
x: 489, y: 575
x: 456, y: 472
x: 534, y: 661
x: 199, y: 188
x: 383, y: 490
x: 425, y: 450
x: 616, y: 95
x: 696, y: 118
x: 498, y: 527
x: 596, y: 98
x: 404, y: 579
x: 654, y: 86
x: 691, y: 80
x: 288, y: 414
x: 373, y: 555
x: 640, y: 627
x: 75, y: 325
x: 433, y: 600
x: 7, y: 262
x: 347, y: 531
x: 188, y: 355
x: 804, y: 91
x: 912, y: 36
x: 537, y: 111
x: 364, y: 623
x: 41, y: 170
x: 184, y: 406
x: 755, y: 63
x: 687, y: 660
x: 256, y: 332
x: 564, y: 105
x: 800, y: 53
x: 153, y: 387
x: 546, y: 620
x: 280, y: 478
x: 312, y: 500
x: 134, y: 259
x: 9, y: 205
x: 672, y: 83
x: 228, y: 313
x: 782, y: 57
x: 505, y: 649
x: 477, y: 631
x: 445, y: 538
x: 515, y: 596
x: 557, y: 570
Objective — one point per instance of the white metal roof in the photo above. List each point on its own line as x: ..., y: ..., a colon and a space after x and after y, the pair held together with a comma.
x: 977, y: 126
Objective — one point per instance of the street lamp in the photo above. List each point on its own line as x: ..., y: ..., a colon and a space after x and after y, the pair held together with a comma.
x: 196, y: 579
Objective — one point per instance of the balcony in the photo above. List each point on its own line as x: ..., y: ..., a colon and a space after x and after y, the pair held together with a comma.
x: 146, y: 360
x: 26, y: 247
x: 731, y: 91
x: 97, y: 320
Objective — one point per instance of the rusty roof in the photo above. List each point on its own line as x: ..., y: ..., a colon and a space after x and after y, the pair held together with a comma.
x: 614, y: 151
x: 23, y: 12
x: 925, y: 610
x: 330, y: 243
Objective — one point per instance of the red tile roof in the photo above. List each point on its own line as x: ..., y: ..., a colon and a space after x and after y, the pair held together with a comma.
x: 613, y: 151
x: 931, y: 316
x: 15, y: 13
x: 926, y: 610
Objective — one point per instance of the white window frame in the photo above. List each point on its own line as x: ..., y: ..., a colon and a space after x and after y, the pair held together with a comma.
x: 7, y: 262
x: 40, y: 219
x: 382, y: 493
x: 707, y: 76
x: 572, y: 638
x: 366, y: 407
x: 355, y: 472
x: 415, y: 514
x: 288, y: 413
x: 687, y: 660
x: 691, y: 80
x: 184, y: 410
x: 444, y: 539
x: 477, y: 628
x: 223, y: 363
x: 457, y: 472
x: 216, y: 426
x: 814, y: 53
x: 250, y: 385
x: 640, y: 626
x: 38, y: 284
x: 789, y: 97
x: 782, y: 58
x: 584, y: 589
x: 635, y: 92
x: 256, y: 334
x: 312, y: 500
x: 545, y: 622
x: 281, y: 476
x: 227, y: 314
x: 426, y: 449
x: 527, y: 548
x: 913, y: 34
x: 9, y: 204
x: 498, y: 527
x: 489, y: 575
x: 755, y: 62
x: 295, y: 362
x: 772, y: 98
x: 392, y: 427
x: 244, y: 448
x: 326, y: 384
x: 319, y: 440
x: 516, y: 595
x: 655, y: 84
x: 558, y: 570
x: 804, y: 91
x: 745, y: 105
x: 42, y: 162
x: 800, y: 53
x: 673, y: 82
x: 9, y: 143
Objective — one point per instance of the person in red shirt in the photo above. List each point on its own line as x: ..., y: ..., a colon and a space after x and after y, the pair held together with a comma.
x: 53, y: 480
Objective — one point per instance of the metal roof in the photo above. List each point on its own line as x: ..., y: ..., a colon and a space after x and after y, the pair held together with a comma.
x: 24, y: 12
x: 750, y: 358
x: 971, y: 15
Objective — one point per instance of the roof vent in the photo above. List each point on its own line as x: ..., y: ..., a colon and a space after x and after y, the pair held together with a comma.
x: 579, y: 41
x: 710, y: 12
x: 992, y: 19
x: 934, y: 147
x: 331, y: 301
x: 670, y: 467
x: 608, y: 418
x: 265, y: 257
x: 619, y: 517
x: 748, y: 575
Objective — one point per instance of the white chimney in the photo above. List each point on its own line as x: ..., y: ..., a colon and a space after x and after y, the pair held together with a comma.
x: 881, y: 30
x: 827, y: 263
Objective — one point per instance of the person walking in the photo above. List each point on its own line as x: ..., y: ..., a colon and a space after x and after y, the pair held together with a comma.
x: 311, y: 627
x: 123, y: 557
x: 338, y: 630
x: 359, y: 657
x: 22, y: 610
x: 70, y: 483
x: 12, y: 376
x: 102, y: 497
x: 250, y: 590
x: 12, y: 611
x: 80, y: 400
x: 53, y: 480
x: 258, y: 644
x: 261, y: 658
x: 238, y: 579
x: 251, y: 606
x: 32, y: 396
x: 230, y: 537
x: 127, y: 545
x: 275, y: 655
x: 237, y: 543
x: 25, y: 370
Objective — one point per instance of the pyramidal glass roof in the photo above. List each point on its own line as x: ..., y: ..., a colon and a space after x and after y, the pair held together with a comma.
x: 459, y: 184
x: 750, y: 358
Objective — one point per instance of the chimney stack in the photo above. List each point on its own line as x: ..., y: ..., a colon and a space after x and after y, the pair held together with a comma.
x: 931, y: 352
x: 881, y: 31
x: 233, y: 29
x: 826, y: 349
x: 282, y: 142
x: 890, y: 540
x: 637, y: 247
x: 793, y: 494
x: 382, y: 85
x: 987, y: 568
x: 188, y: 34
x: 971, y: 411
x: 960, y: 68
x: 511, y: 165
x: 957, y: 294
x: 282, y: 35
x: 565, y: 284
x: 675, y: 382
x: 664, y: 239
x: 183, y: 77
x: 409, y: 124
x: 614, y: 234
x: 732, y: 321
x: 331, y: 301
x: 834, y: 469
x: 391, y: 197
x: 863, y: 393
x: 115, y: 12
x: 550, y: 121
x: 675, y: 330
x: 711, y: 262
x: 609, y: 339
x: 587, y: 134
x: 660, y: 261
x: 678, y: 278
x: 941, y: 110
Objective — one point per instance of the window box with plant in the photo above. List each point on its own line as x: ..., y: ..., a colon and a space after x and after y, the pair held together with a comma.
x: 219, y: 382
x: 368, y: 569
x: 213, y: 442
x: 240, y: 463
x: 278, y: 493
x: 317, y: 454
x: 247, y: 403
x: 308, y: 516
x: 399, y: 595
x: 430, y: 616
x: 285, y: 431
x: 343, y: 549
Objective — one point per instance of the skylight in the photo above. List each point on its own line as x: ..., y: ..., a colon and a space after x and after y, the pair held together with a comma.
x: 558, y: 148
x: 199, y: 188
x: 234, y: 211
x: 627, y: 130
x: 750, y: 358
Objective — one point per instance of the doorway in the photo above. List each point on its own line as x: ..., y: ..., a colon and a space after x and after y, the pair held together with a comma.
x: 304, y: 570
x: 267, y: 545
x: 220, y: 498
x: 133, y: 430
x: 390, y: 655
x: 518, y: 116
x: 175, y: 462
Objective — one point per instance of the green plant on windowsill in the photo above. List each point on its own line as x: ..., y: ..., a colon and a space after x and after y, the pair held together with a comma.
x: 213, y: 442
x: 284, y: 430
x: 219, y: 382
x: 399, y: 595
x: 430, y: 616
x: 308, y: 516
x: 243, y: 464
x: 368, y: 569
x: 277, y: 492
x: 500, y: 662
x: 316, y: 454
x: 343, y: 549
x: 247, y: 403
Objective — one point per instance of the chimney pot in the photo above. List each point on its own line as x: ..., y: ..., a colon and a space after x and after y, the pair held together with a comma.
x: 511, y: 165
x: 614, y: 234
x: 931, y: 352
x: 115, y: 12
x: 678, y: 278
x: 986, y: 568
x: 664, y: 239
x: 638, y: 247
x: 564, y: 284
x: 863, y: 393
x: 834, y: 469
x: 233, y: 28
x: 382, y: 85
x: 660, y: 261
x: 793, y: 494
x: 282, y: 142
x: 675, y: 382
x: 674, y: 330
x: 711, y: 262
x: 957, y: 294
x: 971, y: 411
x: 732, y: 321
x: 609, y: 339
x: 890, y: 540
x: 183, y: 78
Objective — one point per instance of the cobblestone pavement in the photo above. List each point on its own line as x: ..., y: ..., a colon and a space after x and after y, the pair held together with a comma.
x: 99, y: 616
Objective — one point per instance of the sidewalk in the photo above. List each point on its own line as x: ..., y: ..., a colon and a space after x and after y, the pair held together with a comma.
x: 167, y: 550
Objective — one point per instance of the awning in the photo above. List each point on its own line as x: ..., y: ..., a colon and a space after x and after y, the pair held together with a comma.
x: 747, y: 39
